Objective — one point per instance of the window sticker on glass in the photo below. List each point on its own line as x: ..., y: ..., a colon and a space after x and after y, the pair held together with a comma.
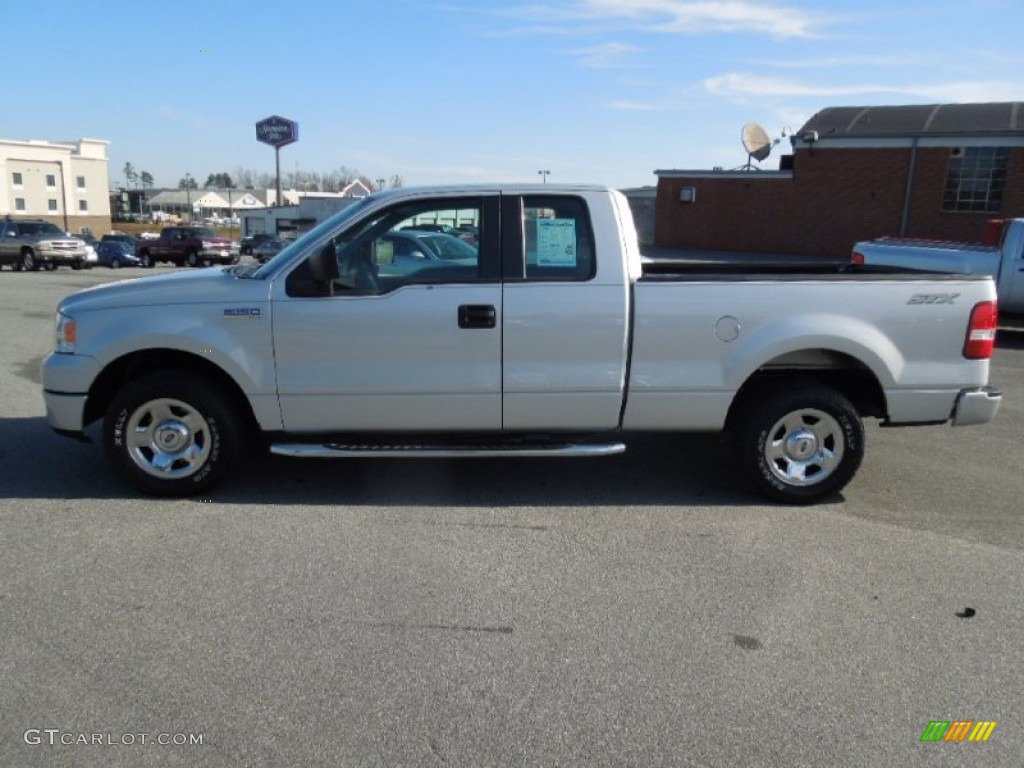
x: 556, y: 242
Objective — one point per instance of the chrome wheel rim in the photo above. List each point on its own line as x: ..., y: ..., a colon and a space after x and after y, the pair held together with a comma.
x: 804, y: 447
x: 168, y: 439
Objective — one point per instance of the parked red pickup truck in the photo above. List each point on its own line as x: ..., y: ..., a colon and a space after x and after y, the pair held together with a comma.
x: 195, y: 246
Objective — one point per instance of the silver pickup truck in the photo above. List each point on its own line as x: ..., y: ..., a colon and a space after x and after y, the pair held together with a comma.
x: 1003, y: 261
x: 549, y: 336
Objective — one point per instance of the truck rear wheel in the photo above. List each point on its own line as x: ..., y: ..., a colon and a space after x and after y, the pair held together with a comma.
x: 171, y: 433
x: 799, y: 442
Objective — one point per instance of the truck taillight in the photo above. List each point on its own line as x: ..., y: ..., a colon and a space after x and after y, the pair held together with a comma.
x: 981, y: 332
x: 857, y: 258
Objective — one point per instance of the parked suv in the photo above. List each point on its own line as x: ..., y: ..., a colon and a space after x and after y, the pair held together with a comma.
x: 32, y: 243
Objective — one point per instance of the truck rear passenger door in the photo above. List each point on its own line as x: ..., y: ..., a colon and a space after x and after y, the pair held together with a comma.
x: 565, y: 326
x: 409, y: 339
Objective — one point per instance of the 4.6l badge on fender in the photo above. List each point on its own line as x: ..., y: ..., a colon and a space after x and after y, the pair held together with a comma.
x: 242, y: 312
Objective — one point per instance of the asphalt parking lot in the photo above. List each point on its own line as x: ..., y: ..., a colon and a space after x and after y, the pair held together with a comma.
x: 634, y: 610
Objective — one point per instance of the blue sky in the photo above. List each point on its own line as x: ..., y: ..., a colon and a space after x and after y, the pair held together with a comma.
x: 602, y: 91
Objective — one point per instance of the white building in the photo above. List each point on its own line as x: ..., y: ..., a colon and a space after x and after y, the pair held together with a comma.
x: 66, y: 183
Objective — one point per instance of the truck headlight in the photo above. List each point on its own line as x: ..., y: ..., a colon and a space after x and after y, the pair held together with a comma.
x: 67, y: 334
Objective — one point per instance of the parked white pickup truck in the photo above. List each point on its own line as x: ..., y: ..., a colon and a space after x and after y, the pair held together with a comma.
x: 551, y: 337
x: 1004, y: 262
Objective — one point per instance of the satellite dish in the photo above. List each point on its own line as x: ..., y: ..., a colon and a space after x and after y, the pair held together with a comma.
x: 756, y: 141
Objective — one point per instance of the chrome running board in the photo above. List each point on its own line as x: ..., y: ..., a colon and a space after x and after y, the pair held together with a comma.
x: 340, y: 451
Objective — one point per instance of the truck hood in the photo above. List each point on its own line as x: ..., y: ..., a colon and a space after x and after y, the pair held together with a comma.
x: 202, y: 286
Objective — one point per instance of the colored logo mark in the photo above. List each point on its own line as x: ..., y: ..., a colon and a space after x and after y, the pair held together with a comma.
x: 958, y: 730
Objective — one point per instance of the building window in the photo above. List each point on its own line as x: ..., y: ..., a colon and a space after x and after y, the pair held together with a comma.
x: 16, y: 179
x: 51, y: 204
x: 51, y: 181
x: 83, y: 206
x: 19, y: 203
x: 81, y: 182
x: 976, y: 179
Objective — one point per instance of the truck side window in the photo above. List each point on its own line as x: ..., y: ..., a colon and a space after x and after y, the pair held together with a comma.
x: 422, y: 242
x: 558, y: 239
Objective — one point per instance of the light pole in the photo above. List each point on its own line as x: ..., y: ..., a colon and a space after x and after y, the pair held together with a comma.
x: 188, y: 195
x: 544, y: 175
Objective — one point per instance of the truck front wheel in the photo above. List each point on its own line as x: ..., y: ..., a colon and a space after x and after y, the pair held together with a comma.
x: 192, y: 259
x: 145, y: 260
x: 800, y: 442
x: 171, y: 433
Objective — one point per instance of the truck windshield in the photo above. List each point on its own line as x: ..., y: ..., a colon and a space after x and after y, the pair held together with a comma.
x: 41, y: 228
x: 199, y: 232
x: 330, y: 225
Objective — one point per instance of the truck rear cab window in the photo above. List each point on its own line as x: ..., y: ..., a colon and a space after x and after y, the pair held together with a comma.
x: 558, y: 242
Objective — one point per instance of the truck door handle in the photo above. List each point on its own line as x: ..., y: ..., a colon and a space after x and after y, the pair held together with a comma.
x: 477, y: 316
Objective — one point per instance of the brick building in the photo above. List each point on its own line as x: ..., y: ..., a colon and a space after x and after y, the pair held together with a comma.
x: 937, y: 171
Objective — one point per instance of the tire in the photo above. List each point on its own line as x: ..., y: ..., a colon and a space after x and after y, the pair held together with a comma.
x: 192, y: 259
x: 146, y: 260
x: 28, y: 261
x: 115, y: 263
x: 76, y: 265
x: 171, y: 433
x: 50, y: 266
x: 799, y: 442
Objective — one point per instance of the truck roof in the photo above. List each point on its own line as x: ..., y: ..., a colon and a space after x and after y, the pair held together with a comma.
x: 484, y: 189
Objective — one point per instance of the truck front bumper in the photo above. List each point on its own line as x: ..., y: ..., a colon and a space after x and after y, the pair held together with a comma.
x: 66, y: 382
x: 220, y: 256
x: 65, y: 413
x: 976, y: 406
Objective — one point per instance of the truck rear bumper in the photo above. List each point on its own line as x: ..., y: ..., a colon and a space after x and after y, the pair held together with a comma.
x: 976, y: 406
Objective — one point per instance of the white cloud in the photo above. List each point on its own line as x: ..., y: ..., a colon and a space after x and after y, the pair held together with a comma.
x: 625, y: 105
x: 744, y: 85
x: 702, y: 16
x: 691, y: 17
x: 607, y: 56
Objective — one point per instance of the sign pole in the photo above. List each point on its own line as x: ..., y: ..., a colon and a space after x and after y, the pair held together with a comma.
x: 277, y: 131
x: 277, y: 159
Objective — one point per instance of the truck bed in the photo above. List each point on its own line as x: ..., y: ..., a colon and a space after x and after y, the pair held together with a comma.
x: 787, y: 269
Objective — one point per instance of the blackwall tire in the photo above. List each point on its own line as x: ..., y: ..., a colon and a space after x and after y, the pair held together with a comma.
x: 799, y: 443
x: 145, y: 260
x: 192, y: 259
x: 171, y: 433
x: 28, y: 261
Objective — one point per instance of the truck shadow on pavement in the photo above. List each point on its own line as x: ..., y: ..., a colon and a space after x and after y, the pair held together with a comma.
x: 35, y: 463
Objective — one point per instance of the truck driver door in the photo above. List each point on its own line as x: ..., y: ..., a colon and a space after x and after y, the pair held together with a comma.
x: 407, y: 338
